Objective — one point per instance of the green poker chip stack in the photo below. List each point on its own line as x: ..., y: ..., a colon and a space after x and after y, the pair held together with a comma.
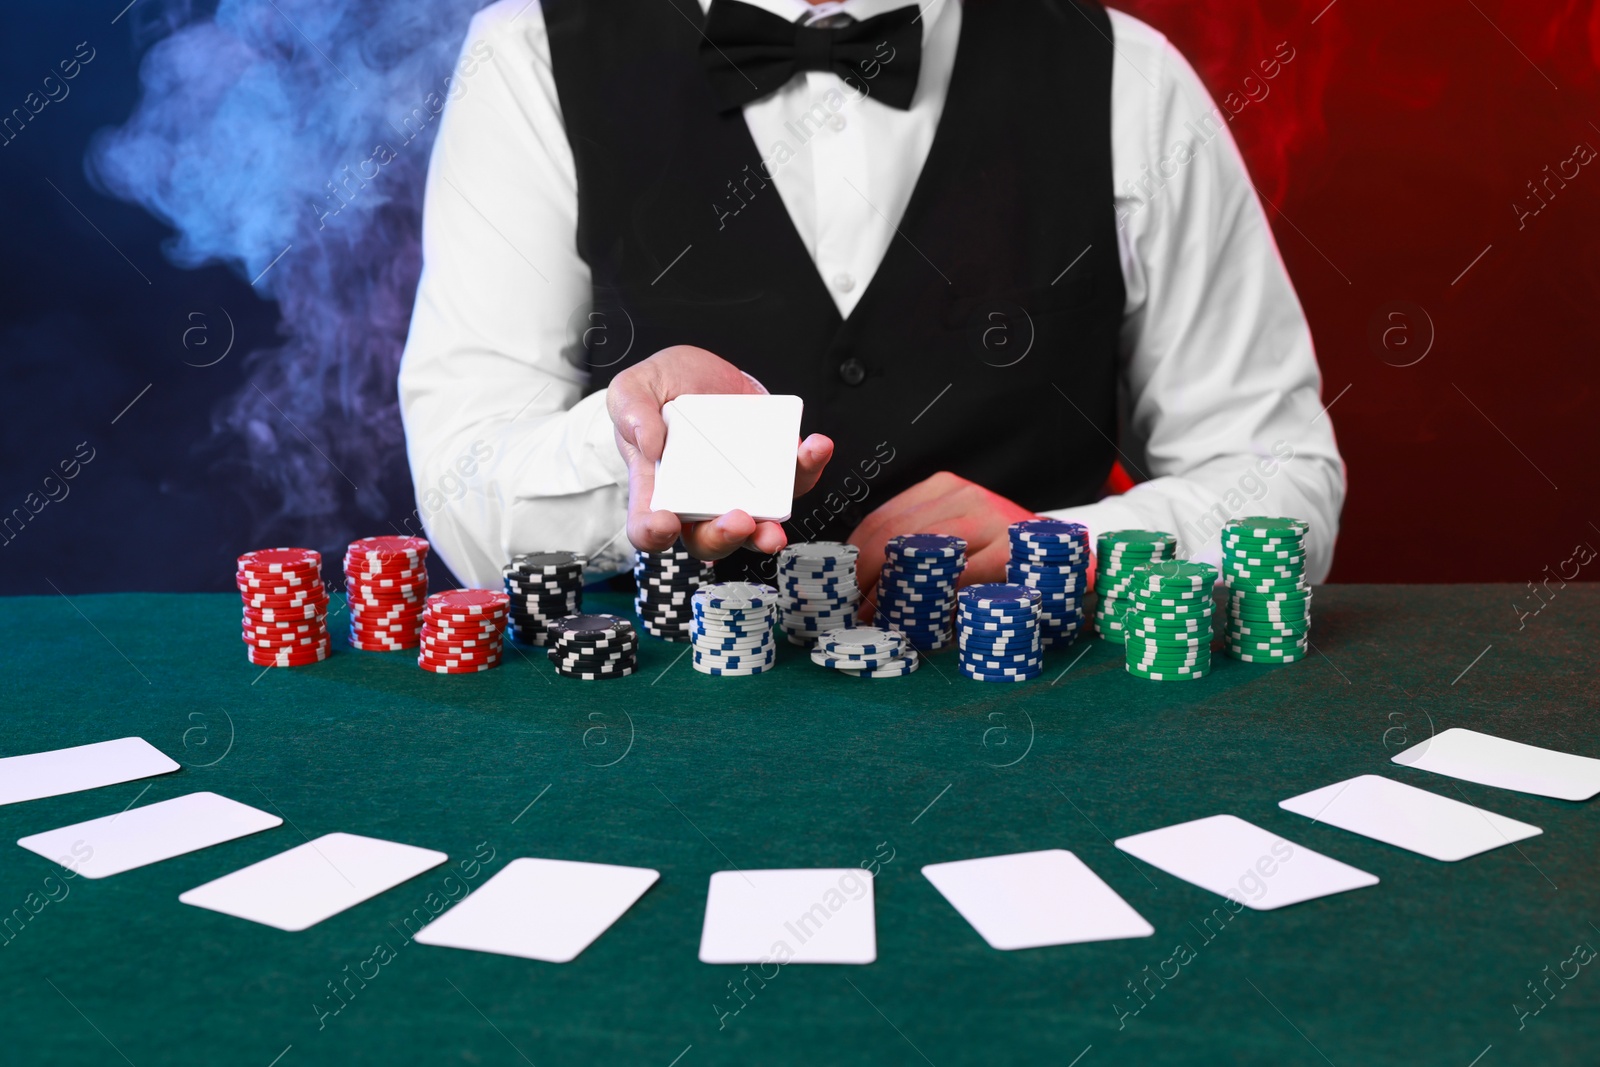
x: 1167, y: 630
x: 1268, y: 601
x: 1117, y: 555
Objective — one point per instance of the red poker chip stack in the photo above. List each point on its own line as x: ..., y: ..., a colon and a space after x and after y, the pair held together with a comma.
x: 462, y: 631
x: 285, y: 607
x: 387, y: 582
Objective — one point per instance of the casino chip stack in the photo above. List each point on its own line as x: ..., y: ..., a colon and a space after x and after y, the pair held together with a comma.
x: 461, y: 631
x: 998, y: 626
x: 865, y: 652
x: 386, y: 580
x: 285, y: 607
x: 732, y: 629
x: 1119, y: 553
x: 1053, y: 557
x: 592, y: 647
x: 917, y: 588
x: 1269, y: 601
x: 1168, y: 627
x: 542, y: 587
x: 667, y: 582
x: 817, y: 590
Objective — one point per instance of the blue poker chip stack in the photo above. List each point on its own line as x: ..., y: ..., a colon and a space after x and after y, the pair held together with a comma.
x: 1052, y: 556
x: 817, y: 589
x: 917, y: 588
x: 999, y: 629
x: 731, y: 628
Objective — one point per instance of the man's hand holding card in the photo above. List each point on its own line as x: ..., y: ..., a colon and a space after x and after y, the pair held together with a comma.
x: 731, y: 444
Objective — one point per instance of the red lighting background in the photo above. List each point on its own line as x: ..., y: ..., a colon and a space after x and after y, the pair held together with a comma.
x: 1392, y: 153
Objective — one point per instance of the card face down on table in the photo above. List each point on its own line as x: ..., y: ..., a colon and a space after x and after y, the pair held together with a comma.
x: 728, y: 452
x: 1240, y: 860
x: 1490, y: 760
x: 70, y: 770
x: 134, y: 838
x: 809, y: 915
x: 1035, y: 899
x: 311, y: 882
x: 540, y: 909
x: 1410, y: 818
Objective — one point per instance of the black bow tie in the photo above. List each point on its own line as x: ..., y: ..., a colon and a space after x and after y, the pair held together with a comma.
x: 750, y: 53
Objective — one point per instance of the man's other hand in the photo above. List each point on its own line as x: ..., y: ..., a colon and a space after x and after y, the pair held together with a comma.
x: 944, y: 504
x: 634, y: 400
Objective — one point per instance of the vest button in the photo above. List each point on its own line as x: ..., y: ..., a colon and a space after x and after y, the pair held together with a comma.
x: 853, y: 371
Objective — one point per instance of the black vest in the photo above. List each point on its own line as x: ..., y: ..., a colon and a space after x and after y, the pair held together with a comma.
x: 973, y: 309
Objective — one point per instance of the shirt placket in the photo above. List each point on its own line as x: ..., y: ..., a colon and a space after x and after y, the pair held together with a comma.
x: 845, y: 222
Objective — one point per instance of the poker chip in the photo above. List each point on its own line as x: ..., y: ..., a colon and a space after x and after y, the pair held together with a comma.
x: 284, y: 607
x: 865, y: 652
x: 541, y: 587
x: 378, y: 645
x: 433, y: 661
x: 667, y: 582
x: 988, y: 676
x: 729, y: 672
x: 1268, y: 604
x: 445, y: 668
x: 1169, y: 674
x: 999, y: 632
x: 268, y: 658
x: 730, y: 628
x: 595, y: 676
x: 1167, y: 625
x: 461, y: 631
x: 386, y: 588
x: 861, y: 641
x: 899, y: 667
x: 275, y: 584
x: 1052, y: 556
x: 590, y: 627
x: 281, y: 561
x: 553, y: 563
x: 917, y: 588
x: 1118, y: 554
x: 1262, y: 657
x: 591, y: 647
x: 817, y: 589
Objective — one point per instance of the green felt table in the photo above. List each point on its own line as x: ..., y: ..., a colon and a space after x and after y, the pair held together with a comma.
x: 802, y: 767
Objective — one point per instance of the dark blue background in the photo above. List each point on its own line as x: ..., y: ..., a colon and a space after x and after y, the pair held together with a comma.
x: 162, y: 505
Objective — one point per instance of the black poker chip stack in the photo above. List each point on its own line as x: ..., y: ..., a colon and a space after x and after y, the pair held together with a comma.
x: 592, y: 647
x: 667, y: 582
x: 543, y: 587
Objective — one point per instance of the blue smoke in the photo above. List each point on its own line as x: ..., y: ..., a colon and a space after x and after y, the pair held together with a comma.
x: 289, y: 139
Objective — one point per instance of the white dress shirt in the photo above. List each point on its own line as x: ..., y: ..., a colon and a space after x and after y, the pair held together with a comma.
x: 509, y: 456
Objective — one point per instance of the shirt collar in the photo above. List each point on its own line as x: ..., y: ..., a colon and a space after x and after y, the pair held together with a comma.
x: 790, y: 10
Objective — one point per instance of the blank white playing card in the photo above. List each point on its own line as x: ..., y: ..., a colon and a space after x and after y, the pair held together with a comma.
x: 1240, y: 860
x: 1490, y: 760
x: 816, y: 915
x: 1407, y: 817
x: 307, y: 884
x: 112, y: 844
x: 728, y: 453
x: 1033, y: 899
x: 540, y: 909
x: 70, y: 770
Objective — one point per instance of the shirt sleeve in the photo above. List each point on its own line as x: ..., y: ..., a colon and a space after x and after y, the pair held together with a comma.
x: 507, y: 454
x: 1225, y: 416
